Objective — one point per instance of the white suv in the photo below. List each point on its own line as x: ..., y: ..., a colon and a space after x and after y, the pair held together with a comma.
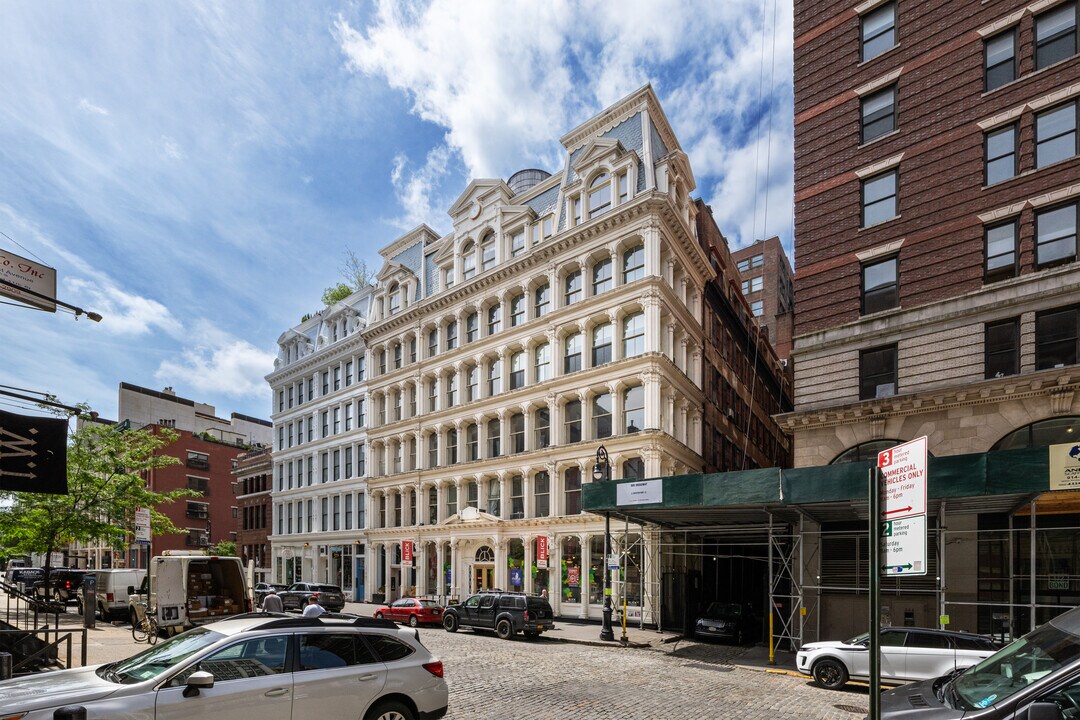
x: 265, y: 666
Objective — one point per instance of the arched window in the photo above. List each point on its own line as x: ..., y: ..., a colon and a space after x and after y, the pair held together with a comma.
x: 543, y: 300
x: 468, y: 261
x: 864, y: 452
x: 572, y: 491
x: 517, y: 433
x: 601, y: 276
x: 488, y: 256
x: 634, y: 408
x: 634, y: 264
x: 495, y: 378
x: 485, y: 555
x: 1052, y: 431
x: 543, y: 362
x: 633, y: 335
x: 599, y: 195
x: 433, y: 450
x: 494, y: 429
x: 633, y: 469
x: 395, y: 297
x: 517, y: 370
x: 451, y: 447
x: 472, y: 442
x: 601, y: 345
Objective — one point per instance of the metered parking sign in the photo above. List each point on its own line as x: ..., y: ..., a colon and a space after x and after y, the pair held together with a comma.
x: 903, y: 546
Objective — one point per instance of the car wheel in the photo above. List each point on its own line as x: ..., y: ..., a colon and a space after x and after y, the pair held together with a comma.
x: 450, y: 623
x: 413, y: 621
x: 830, y: 674
x: 378, y: 616
x: 504, y: 629
x: 390, y: 711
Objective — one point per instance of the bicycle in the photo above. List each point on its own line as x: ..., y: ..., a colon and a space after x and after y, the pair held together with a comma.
x: 145, y: 628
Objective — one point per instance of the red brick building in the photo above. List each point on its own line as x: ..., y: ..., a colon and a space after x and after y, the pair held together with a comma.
x: 768, y: 286
x: 253, y: 475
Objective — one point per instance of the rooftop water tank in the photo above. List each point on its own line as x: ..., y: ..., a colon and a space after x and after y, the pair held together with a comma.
x: 522, y: 180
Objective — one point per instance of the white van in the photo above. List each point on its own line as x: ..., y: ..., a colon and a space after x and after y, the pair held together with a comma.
x: 189, y: 588
x: 111, y: 591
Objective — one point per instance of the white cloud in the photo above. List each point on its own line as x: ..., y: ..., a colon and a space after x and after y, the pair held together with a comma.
x: 124, y: 313
x: 87, y: 106
x: 218, y: 364
x: 416, y: 190
x: 171, y: 148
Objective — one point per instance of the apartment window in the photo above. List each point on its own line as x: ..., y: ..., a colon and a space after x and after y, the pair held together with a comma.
x: 494, y: 430
x: 395, y: 298
x: 348, y: 512
x: 348, y: 417
x: 633, y: 335
x: 601, y: 347
x: 451, y: 390
x: 433, y: 506
x: 325, y: 514
x: 449, y: 278
x: 1000, y: 59
x: 337, y: 420
x: 757, y: 308
x: 311, y: 388
x: 541, y: 495
x: 1055, y: 235
x: 634, y: 264
x: 202, y: 485
x: 468, y: 261
x: 517, y: 370
x: 601, y: 277
x: 487, y: 251
x: 633, y: 469
x: 348, y: 461
x: 300, y: 393
x: 361, y: 461
x: 451, y: 335
x: 494, y: 319
x: 880, y: 289
x: 542, y: 356
x: 337, y: 512
x: 325, y: 423
x: 543, y: 428
x: 877, y: 373
x: 1055, y: 35
x: 634, y: 408
x: 412, y: 349
x: 572, y: 360
x: 574, y: 291
x: 547, y: 226
x: 451, y: 500
x: 1002, y: 345
x: 517, y: 310
x: 337, y: 464
x: 451, y: 446
x: 397, y: 356
x: 878, y: 31
x: 1001, y: 252
x: 601, y: 415
x: 517, y: 433
x: 752, y: 285
x: 281, y: 400
x: 325, y: 467
x: 879, y: 198
x: 517, y: 243
x: 1055, y: 135
x: 433, y: 342
x: 361, y: 417
x: 348, y: 375
x: 542, y: 296
x: 382, y: 362
x: 1056, y: 337
x: 326, y: 383
x: 572, y: 491
x: 433, y: 450
x: 290, y: 396
x: 361, y: 372
x: 575, y: 210
x: 517, y: 497
x: 599, y: 195
x: 433, y: 395
x: 472, y: 377
x: 472, y: 327
x: 572, y: 416
x: 1001, y: 156
x: 624, y: 188
x: 878, y: 113
x: 472, y: 442
x: 495, y: 378
x: 494, y: 496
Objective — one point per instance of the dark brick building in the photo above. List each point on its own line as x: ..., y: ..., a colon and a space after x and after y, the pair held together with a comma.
x: 253, y: 473
x: 745, y: 383
x: 768, y: 286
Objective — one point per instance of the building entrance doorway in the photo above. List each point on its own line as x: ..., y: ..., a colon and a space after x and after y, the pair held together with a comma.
x: 483, y: 569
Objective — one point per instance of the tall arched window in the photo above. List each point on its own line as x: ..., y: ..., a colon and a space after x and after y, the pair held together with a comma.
x: 1053, y: 431
x: 542, y: 356
x: 634, y: 264
x: 601, y: 345
x: 488, y: 256
x: 634, y: 408
x: 864, y: 452
x: 394, y: 293
x: 633, y: 469
x: 599, y: 195
x: 633, y: 335
x: 468, y: 261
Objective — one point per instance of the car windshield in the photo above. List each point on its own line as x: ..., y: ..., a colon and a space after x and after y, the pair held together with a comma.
x: 1019, y: 664
x: 860, y: 639
x: 159, y: 659
x: 726, y: 611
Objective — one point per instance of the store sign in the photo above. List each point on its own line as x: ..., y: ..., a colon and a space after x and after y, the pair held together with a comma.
x: 573, y: 576
x: 542, y: 552
x: 1065, y: 467
x: 517, y: 577
x: 643, y: 492
x: 33, y: 454
x: 1058, y: 582
x: 22, y: 277
x: 406, y: 552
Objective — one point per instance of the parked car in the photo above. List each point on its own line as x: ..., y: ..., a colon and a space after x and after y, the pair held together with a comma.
x: 728, y: 621
x: 906, y: 654
x: 412, y: 610
x: 111, y: 591
x: 296, y: 597
x: 64, y: 584
x: 253, y: 665
x: 263, y: 589
x: 506, y: 613
x: 1036, y: 678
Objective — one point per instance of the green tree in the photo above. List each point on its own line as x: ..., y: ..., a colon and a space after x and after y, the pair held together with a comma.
x: 105, y: 486
x: 336, y: 293
x: 224, y: 548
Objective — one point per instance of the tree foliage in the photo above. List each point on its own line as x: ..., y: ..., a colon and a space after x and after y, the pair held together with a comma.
x: 105, y: 486
x: 336, y: 293
x: 224, y: 548
x: 355, y: 271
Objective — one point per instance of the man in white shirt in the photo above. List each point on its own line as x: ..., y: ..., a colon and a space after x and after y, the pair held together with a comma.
x: 313, y: 609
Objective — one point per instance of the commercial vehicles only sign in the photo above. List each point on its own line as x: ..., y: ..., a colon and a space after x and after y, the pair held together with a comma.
x: 903, y: 508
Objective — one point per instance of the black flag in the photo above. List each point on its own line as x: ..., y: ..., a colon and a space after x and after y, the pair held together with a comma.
x: 33, y: 454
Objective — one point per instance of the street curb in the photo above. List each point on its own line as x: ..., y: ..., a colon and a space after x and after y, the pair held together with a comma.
x: 596, y: 643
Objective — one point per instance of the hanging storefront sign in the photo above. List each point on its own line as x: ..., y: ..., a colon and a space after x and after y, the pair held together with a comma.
x: 406, y: 552
x: 516, y: 577
x: 573, y: 576
x: 542, y: 552
x: 1065, y: 466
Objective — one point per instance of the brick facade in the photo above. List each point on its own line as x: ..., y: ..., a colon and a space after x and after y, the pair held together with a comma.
x: 766, y: 259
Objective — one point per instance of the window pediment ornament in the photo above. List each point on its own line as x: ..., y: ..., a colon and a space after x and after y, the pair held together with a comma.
x: 598, y: 150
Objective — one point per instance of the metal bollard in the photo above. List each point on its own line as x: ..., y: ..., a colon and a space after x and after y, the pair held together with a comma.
x: 5, y: 666
x: 70, y: 712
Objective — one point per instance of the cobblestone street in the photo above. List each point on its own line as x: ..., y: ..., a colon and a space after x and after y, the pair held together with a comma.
x: 491, y: 678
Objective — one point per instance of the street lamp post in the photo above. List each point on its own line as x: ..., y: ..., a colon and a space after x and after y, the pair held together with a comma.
x: 602, y: 473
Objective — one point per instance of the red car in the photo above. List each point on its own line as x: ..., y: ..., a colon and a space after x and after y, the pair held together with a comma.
x: 412, y: 610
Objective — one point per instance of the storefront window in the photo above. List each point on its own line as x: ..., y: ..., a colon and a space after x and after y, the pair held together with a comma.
x: 571, y: 570
x: 596, y: 569
x: 540, y: 574
x: 515, y: 561
x: 631, y: 569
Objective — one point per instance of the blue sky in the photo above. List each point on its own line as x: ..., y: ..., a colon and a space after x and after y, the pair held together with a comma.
x: 195, y: 171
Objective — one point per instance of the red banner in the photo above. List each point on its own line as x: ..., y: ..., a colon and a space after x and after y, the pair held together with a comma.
x: 542, y: 551
x: 406, y: 552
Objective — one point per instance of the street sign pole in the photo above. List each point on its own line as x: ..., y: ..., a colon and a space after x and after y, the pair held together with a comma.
x: 875, y: 594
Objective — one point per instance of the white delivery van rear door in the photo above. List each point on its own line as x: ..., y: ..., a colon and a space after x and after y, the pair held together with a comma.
x: 170, y: 588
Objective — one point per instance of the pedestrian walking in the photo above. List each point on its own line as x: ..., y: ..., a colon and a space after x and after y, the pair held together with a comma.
x: 544, y: 593
x: 272, y: 603
x: 313, y: 609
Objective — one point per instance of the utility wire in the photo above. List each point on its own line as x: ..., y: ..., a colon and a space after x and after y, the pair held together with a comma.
x: 22, y: 246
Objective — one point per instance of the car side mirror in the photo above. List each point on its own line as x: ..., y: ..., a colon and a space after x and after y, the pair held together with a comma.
x: 198, y: 680
x: 131, y: 589
x: 1044, y: 711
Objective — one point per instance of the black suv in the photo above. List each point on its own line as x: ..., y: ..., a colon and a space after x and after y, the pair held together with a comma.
x: 64, y: 584
x: 506, y: 613
x: 296, y: 597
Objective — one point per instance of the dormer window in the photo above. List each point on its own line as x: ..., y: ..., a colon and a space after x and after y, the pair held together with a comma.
x: 517, y: 243
x: 599, y: 195
x: 624, y: 188
x: 548, y: 226
x: 450, y: 278
x: 575, y: 209
x: 468, y: 261
x: 395, y: 298
x: 487, y: 252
